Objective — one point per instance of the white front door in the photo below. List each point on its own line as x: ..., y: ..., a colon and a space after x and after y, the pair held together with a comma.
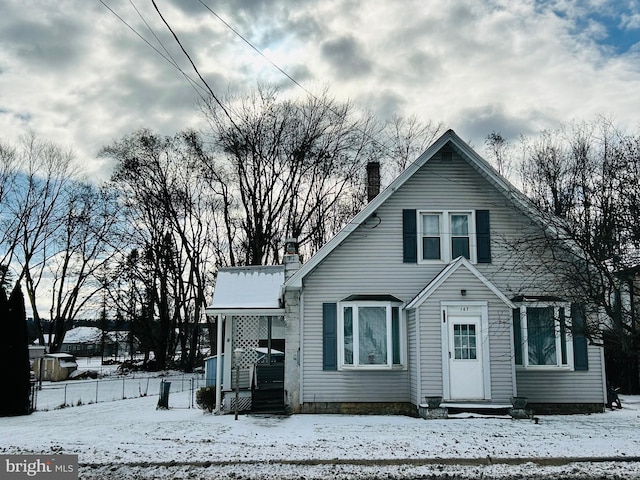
x: 465, y: 357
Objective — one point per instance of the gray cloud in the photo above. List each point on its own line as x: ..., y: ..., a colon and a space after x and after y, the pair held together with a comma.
x: 58, y: 43
x: 346, y: 57
x: 477, y: 122
x: 76, y: 74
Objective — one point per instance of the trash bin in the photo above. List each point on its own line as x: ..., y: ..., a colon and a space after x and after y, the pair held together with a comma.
x: 163, y: 401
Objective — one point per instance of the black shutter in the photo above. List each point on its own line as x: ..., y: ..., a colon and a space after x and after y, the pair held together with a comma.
x: 329, y: 336
x: 517, y: 336
x: 409, y: 237
x: 483, y: 237
x: 578, y: 325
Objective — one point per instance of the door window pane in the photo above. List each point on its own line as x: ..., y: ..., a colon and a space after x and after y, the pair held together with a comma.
x: 464, y: 342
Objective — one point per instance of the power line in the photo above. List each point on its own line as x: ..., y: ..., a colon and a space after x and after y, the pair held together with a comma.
x: 171, y: 61
x: 256, y: 49
x: 213, y: 95
x: 209, y: 90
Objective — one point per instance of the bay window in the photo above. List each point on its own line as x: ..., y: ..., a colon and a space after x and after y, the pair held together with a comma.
x: 370, y: 335
x: 541, y: 337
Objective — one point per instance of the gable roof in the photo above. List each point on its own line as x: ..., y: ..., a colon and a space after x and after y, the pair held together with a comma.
x: 449, y: 137
x: 86, y: 335
x: 446, y: 272
x: 248, y: 290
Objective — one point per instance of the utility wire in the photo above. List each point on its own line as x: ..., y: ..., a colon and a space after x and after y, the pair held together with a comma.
x: 170, y: 61
x: 208, y: 89
x: 298, y: 84
x: 173, y: 61
x: 213, y: 95
x: 256, y: 49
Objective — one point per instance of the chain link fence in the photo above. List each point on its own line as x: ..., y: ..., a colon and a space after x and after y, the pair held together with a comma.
x: 53, y: 395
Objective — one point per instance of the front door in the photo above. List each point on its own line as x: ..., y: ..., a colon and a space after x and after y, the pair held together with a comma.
x: 466, y: 375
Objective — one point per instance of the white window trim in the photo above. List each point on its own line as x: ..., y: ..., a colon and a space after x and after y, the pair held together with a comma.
x: 402, y: 333
x: 568, y: 338
x: 446, y: 235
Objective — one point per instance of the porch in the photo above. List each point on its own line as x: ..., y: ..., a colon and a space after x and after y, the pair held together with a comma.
x: 247, y: 368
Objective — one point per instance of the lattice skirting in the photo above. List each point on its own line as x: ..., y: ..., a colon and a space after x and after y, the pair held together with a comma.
x: 244, y: 402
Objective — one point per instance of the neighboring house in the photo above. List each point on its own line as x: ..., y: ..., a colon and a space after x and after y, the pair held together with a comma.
x: 87, y: 342
x: 422, y: 294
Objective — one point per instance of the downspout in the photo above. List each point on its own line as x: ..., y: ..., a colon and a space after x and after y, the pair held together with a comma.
x: 418, y: 356
x: 301, y: 350
x: 219, y: 366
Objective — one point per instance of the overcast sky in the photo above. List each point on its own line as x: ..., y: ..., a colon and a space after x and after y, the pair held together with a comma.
x: 73, y: 72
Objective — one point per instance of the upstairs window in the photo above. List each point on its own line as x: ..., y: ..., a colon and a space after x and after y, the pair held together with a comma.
x: 460, y: 239
x: 431, y: 245
x: 446, y: 236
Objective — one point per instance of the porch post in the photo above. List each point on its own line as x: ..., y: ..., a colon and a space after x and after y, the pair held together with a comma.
x: 219, y: 365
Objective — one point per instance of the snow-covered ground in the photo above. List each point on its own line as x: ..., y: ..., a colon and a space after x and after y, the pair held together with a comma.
x: 112, y: 385
x: 130, y: 439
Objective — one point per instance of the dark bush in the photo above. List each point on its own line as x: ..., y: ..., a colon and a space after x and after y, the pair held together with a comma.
x: 206, y: 398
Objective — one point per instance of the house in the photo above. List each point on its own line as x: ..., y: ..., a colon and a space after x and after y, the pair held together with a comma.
x: 422, y: 294
x: 89, y: 342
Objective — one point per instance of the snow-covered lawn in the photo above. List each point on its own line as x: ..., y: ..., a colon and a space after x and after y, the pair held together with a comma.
x: 113, y: 385
x: 77, y: 392
x: 131, y: 439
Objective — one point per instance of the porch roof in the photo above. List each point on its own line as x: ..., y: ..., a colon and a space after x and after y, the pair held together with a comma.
x: 248, y: 291
x: 427, y: 291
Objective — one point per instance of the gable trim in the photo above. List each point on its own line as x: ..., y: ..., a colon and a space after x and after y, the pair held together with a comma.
x: 446, y: 273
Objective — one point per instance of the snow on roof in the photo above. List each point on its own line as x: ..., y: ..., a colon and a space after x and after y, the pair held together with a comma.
x: 248, y: 288
x: 83, y: 335
x: 65, y: 356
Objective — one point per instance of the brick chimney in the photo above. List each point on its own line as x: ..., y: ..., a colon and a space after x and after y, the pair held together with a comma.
x: 291, y: 259
x: 373, y: 180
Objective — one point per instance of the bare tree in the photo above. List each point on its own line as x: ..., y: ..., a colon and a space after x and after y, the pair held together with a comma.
x: 281, y: 167
x: 583, y: 178
x: 34, y: 211
x: 171, y: 214
x: 406, y: 139
x: 500, y: 153
x: 55, y: 231
x: 83, y: 247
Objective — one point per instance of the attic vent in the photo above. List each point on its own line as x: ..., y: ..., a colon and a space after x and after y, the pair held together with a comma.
x: 446, y: 155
